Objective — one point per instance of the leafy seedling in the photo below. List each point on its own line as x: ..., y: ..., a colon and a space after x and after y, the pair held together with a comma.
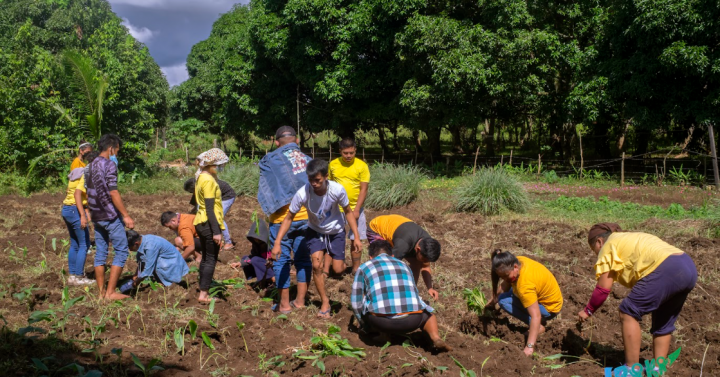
x: 206, y: 340
x: 464, y: 372
x: 241, y: 326
x: 476, y: 302
x: 266, y: 365
x: 558, y: 356
x: 149, y: 368
x: 329, y: 344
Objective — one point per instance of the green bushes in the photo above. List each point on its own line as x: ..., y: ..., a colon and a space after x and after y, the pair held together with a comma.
x: 393, y: 185
x: 243, y: 177
x: 490, y: 192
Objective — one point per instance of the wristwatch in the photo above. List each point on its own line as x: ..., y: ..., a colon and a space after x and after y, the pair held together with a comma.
x: 529, y: 345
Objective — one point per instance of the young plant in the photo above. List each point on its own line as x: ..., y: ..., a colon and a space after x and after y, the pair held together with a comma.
x: 241, y: 326
x: 329, y: 344
x: 464, y: 372
x: 26, y: 295
x: 179, y: 335
x: 266, y: 365
x: 149, y: 368
x: 476, y: 301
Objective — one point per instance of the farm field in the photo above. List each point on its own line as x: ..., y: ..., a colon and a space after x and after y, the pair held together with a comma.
x: 245, y: 338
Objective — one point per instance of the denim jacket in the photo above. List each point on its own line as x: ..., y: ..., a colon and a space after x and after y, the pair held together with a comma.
x: 282, y: 174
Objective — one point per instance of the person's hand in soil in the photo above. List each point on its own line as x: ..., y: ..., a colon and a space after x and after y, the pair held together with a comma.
x: 136, y: 281
x: 491, y: 304
x: 528, y: 351
x: 583, y: 316
x: 434, y: 294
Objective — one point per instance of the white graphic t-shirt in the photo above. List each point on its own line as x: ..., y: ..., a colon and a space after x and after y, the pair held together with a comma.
x: 324, y: 214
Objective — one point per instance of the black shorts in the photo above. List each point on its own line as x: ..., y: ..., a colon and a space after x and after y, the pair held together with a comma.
x: 398, y: 325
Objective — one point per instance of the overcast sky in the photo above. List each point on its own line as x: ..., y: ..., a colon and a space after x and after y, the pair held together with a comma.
x: 171, y: 27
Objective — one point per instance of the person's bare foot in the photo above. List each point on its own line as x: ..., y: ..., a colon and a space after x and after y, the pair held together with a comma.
x: 441, y: 346
x: 116, y: 296
x: 295, y: 305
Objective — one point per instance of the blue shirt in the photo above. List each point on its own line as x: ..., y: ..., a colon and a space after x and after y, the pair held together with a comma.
x: 282, y: 174
x: 385, y: 285
x: 157, y: 256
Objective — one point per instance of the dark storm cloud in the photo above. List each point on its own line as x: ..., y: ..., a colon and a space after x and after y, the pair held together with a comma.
x: 170, y: 28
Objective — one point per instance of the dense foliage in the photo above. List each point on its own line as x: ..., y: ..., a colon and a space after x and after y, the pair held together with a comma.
x: 635, y: 73
x: 41, y: 108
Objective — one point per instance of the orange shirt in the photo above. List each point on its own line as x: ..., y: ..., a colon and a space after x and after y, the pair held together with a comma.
x: 186, y: 230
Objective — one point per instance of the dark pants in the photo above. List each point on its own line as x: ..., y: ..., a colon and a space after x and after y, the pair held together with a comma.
x: 399, y: 326
x: 210, y: 251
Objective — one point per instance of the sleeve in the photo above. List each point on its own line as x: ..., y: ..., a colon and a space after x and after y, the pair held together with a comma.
x: 298, y: 201
x: 81, y: 184
x: 331, y: 166
x: 608, y: 260
x: 187, y: 237
x: 400, y: 248
x: 342, y: 197
x: 365, y: 174
x: 151, y: 253
x: 357, y: 297
x: 111, y: 177
x: 212, y: 219
x: 527, y: 293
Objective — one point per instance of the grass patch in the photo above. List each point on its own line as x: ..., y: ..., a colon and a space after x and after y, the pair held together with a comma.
x: 393, y: 185
x: 152, y: 181
x: 490, y: 192
x: 243, y: 177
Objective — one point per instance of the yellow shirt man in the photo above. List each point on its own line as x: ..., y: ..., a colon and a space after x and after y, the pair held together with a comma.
x: 536, y: 283
x: 350, y: 175
x: 633, y: 256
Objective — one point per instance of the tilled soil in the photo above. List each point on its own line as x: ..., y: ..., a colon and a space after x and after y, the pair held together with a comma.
x: 489, y: 346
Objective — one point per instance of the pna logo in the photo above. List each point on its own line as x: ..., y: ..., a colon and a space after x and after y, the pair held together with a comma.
x: 653, y: 368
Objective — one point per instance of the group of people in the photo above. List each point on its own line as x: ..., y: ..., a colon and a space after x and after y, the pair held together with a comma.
x: 308, y: 203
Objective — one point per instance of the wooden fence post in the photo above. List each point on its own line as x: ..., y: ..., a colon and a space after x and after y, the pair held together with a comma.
x: 363, y: 153
x: 330, y: 146
x: 582, y: 162
x: 382, y: 159
x: 214, y: 143
x: 502, y: 159
x: 622, y: 171
x: 714, y: 157
x: 511, y: 153
x: 476, y: 156
x: 539, y: 164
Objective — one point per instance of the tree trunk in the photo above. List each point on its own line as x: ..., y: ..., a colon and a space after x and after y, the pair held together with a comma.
x: 416, y: 138
x: 383, y: 142
x: 434, y: 142
x: 620, y: 145
x: 396, y: 144
x: 456, y: 132
x: 490, y: 137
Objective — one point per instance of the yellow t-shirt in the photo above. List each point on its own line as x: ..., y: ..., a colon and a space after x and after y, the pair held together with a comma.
x: 280, y: 214
x: 77, y: 163
x: 632, y: 255
x: 207, y: 187
x: 350, y: 175
x: 537, y: 284
x: 78, y: 184
x: 386, y: 225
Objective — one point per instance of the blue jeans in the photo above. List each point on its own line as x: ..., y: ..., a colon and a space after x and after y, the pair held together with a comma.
x: 226, y: 204
x: 294, y: 241
x: 106, y: 232
x: 79, y: 240
x: 513, y: 306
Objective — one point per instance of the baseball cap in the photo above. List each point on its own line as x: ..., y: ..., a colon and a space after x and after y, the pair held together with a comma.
x: 284, y: 131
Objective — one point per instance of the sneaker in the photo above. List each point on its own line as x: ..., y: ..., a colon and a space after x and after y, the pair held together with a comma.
x: 72, y: 280
x: 82, y: 280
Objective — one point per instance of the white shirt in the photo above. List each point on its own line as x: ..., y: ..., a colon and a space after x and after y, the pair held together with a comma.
x: 324, y: 214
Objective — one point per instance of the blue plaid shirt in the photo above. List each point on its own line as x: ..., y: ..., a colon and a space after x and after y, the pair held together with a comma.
x: 385, y: 285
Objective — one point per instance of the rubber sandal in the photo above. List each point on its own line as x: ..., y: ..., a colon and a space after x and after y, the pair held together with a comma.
x: 276, y: 308
x: 325, y: 314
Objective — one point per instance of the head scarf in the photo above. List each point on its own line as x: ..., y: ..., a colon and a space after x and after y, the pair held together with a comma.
x: 211, y: 157
x: 602, y: 228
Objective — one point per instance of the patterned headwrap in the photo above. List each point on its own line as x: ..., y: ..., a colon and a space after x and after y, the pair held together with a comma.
x: 211, y: 157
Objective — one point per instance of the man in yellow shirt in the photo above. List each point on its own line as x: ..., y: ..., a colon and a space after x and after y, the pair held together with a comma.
x: 354, y: 175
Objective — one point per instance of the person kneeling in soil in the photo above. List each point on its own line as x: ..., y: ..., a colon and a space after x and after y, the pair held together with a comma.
x: 255, y: 264
x: 410, y: 242
x: 659, y: 275
x: 529, y: 292
x: 385, y: 297
x: 156, y: 258
x: 187, y: 240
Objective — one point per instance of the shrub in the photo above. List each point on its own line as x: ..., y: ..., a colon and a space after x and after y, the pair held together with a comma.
x: 393, y: 185
x: 243, y: 177
x: 490, y: 192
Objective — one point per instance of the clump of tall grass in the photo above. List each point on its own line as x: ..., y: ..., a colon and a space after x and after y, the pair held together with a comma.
x: 490, y: 192
x: 243, y: 177
x: 393, y: 185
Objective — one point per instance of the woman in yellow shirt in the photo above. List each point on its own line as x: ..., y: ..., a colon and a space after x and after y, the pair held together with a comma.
x: 529, y: 292
x: 209, y: 218
x: 659, y: 275
x: 74, y: 215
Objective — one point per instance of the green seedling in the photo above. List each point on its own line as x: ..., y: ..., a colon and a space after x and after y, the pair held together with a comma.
x: 53, y: 242
x: 476, y: 301
x: 266, y: 365
x: 241, y: 326
x: 464, y: 372
x: 46, y: 366
x: 558, y: 356
x: 26, y: 295
x: 149, y: 368
x: 329, y: 344
x: 179, y: 335
x: 206, y: 340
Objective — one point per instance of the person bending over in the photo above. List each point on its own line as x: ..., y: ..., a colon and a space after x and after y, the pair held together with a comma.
x: 157, y: 258
x: 410, y: 242
x: 187, y: 240
x: 385, y: 298
x: 659, y: 275
x: 255, y: 264
x: 529, y: 292
x: 326, y: 226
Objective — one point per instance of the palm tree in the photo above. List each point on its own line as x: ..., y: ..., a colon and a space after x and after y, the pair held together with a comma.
x: 91, y: 85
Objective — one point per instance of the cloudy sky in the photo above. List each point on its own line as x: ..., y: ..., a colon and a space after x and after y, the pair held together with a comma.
x: 171, y: 27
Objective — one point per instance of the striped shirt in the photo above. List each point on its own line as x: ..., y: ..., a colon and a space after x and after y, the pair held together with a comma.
x: 385, y: 285
x: 101, y: 178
